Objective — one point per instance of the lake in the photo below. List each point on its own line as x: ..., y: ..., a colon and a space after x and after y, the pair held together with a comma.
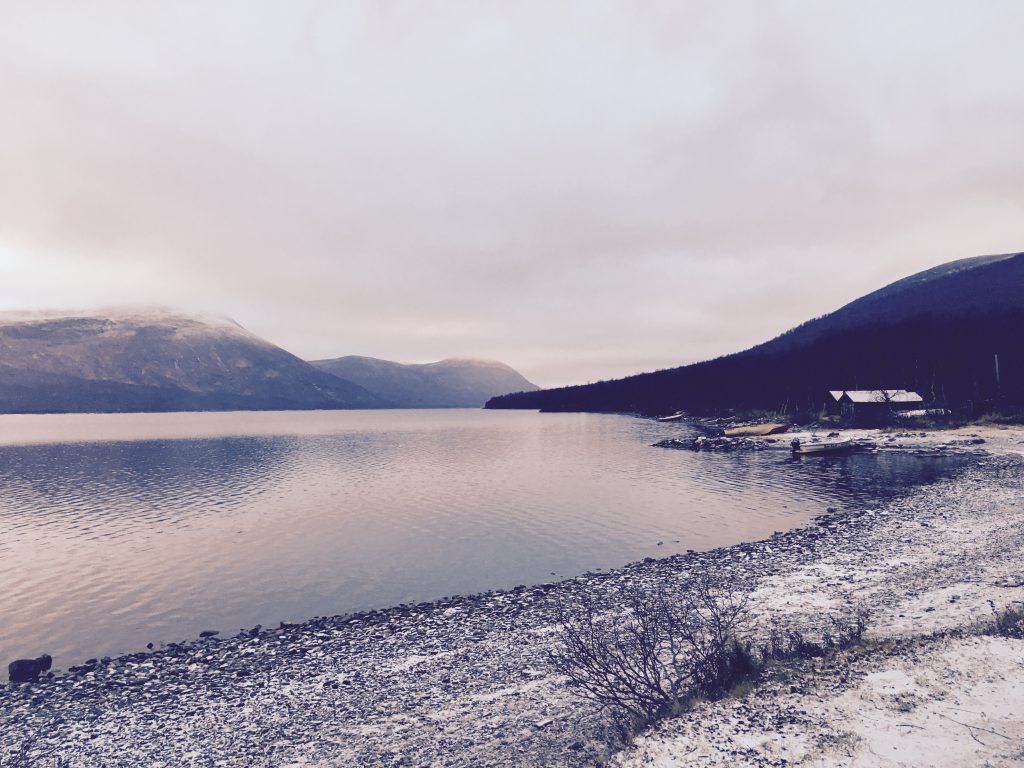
x: 118, y: 530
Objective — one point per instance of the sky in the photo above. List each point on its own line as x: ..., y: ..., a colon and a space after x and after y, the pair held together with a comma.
x: 582, y: 190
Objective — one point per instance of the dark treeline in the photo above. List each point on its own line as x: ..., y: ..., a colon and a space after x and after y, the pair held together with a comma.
x: 951, y: 361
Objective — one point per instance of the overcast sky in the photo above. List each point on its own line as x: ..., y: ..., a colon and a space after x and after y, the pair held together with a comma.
x: 580, y: 189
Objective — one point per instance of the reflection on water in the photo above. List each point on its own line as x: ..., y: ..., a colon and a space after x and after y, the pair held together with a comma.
x: 154, y: 536
x: 131, y: 488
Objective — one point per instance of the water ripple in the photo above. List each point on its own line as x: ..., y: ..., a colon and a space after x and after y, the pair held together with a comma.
x: 152, y: 535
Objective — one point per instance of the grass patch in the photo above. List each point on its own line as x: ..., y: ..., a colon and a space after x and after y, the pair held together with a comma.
x: 1006, y: 622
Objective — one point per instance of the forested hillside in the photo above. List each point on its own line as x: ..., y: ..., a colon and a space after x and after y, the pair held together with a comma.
x: 939, y: 332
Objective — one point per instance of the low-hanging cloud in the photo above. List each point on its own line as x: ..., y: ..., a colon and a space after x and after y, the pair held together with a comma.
x: 581, y: 189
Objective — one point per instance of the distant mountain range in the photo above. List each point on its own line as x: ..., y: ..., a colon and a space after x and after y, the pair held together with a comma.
x: 161, y: 360
x: 155, y: 360
x: 955, y: 333
x: 452, y: 383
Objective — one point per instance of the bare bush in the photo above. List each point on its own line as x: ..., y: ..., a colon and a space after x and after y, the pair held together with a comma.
x: 661, y: 650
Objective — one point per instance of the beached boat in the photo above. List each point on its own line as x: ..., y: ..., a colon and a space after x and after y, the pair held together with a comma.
x: 673, y: 417
x: 834, y: 445
x: 755, y: 430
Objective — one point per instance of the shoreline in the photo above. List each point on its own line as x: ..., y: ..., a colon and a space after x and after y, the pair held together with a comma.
x: 463, y: 680
x: 933, y: 683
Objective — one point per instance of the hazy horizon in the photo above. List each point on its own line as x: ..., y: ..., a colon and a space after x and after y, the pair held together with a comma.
x: 580, y: 190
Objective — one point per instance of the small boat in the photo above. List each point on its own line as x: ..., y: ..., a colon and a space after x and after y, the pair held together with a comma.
x: 674, y: 417
x: 756, y: 430
x: 834, y: 445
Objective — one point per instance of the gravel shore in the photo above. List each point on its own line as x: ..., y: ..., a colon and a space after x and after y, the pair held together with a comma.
x: 928, y: 688
x: 464, y: 682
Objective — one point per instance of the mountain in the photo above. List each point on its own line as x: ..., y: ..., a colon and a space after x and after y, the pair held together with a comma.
x: 967, y: 286
x: 452, y: 383
x: 154, y: 360
x: 939, y: 332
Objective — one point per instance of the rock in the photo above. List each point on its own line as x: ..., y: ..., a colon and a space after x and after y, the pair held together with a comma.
x: 28, y: 670
x: 704, y: 443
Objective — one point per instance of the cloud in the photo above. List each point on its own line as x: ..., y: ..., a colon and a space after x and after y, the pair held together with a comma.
x: 582, y: 189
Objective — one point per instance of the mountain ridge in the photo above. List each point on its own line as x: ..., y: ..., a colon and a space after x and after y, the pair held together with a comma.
x: 939, y: 330
x: 154, y: 359
x: 952, y: 285
x: 448, y: 383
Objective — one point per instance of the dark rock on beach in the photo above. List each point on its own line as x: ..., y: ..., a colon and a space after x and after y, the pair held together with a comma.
x: 29, y: 670
x: 706, y: 443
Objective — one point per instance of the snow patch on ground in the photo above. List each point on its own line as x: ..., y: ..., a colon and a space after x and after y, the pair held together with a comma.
x: 958, y: 704
x: 950, y: 703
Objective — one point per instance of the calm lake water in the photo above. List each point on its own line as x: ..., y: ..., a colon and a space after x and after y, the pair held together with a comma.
x: 118, y: 530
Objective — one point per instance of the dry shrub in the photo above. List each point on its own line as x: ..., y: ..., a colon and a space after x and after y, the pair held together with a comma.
x: 842, y: 632
x: 659, y: 652
x: 664, y: 650
x: 1008, y: 622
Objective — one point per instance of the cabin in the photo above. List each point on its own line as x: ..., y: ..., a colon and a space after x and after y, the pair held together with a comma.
x: 873, y: 405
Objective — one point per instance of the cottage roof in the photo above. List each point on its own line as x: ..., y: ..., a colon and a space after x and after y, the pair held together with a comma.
x: 882, y: 396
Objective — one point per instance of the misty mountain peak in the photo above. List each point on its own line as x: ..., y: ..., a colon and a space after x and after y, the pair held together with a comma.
x: 449, y: 383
